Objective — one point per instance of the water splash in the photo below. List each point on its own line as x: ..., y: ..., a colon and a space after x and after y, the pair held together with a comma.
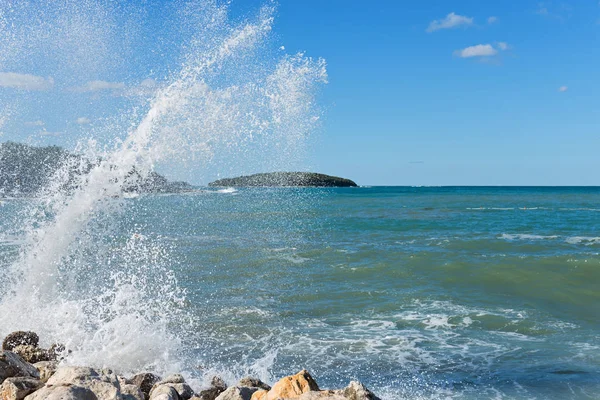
x: 113, y: 299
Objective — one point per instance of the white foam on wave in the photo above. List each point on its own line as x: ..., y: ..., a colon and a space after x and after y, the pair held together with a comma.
x: 585, y: 240
x: 526, y: 236
x: 227, y: 190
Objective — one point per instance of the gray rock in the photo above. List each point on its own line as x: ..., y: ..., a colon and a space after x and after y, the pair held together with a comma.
x: 73, y: 376
x: 18, y: 388
x: 131, y: 392
x: 46, y: 369
x: 357, y: 391
x: 237, y: 393
x: 183, y: 390
x: 253, y: 383
x: 211, y: 393
x: 175, y: 378
x: 322, y: 395
x: 15, y: 339
x: 104, y: 385
x: 164, y: 392
x: 145, y: 381
x: 12, y: 364
x: 62, y: 393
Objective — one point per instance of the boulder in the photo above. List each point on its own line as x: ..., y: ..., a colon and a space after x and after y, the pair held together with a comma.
x: 145, y: 381
x: 357, y: 391
x: 175, y: 378
x: 322, y: 395
x: 12, y: 364
x: 18, y: 388
x: 73, y: 376
x: 104, y: 385
x: 31, y: 354
x: 183, y: 390
x: 62, y: 393
x: 18, y: 338
x: 253, y: 383
x: 292, y: 387
x: 131, y: 392
x: 164, y: 392
x: 260, y: 394
x: 46, y: 369
x: 57, y: 351
x: 237, y: 393
x: 218, y: 386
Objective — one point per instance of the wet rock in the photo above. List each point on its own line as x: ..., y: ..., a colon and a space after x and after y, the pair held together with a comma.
x: 31, y: 354
x: 292, y: 387
x: 131, y: 392
x: 164, y: 392
x: 62, y: 393
x: 253, y: 383
x: 18, y: 388
x: 183, y: 390
x: 145, y: 381
x: 357, y: 391
x: 12, y: 364
x: 237, y: 393
x: 18, y: 338
x: 46, y: 369
x: 218, y: 382
x: 57, y: 352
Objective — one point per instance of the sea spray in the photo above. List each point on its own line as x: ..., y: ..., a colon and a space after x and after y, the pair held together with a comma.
x: 112, y: 298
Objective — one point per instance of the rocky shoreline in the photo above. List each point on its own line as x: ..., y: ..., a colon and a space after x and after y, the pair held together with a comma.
x: 32, y: 373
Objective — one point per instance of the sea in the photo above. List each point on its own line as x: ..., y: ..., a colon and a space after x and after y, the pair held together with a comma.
x: 417, y: 292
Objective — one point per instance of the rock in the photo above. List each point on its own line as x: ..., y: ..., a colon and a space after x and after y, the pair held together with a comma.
x: 357, y: 391
x: 15, y: 339
x: 131, y: 392
x: 31, y: 354
x: 104, y: 385
x: 260, y: 394
x: 322, y: 395
x: 103, y: 390
x: 46, y: 369
x: 237, y: 393
x: 164, y: 392
x: 253, y: 383
x: 175, y: 378
x: 62, y: 393
x: 218, y: 386
x: 292, y: 387
x: 57, y: 352
x: 73, y: 376
x: 12, y: 364
x: 183, y: 390
x: 18, y: 388
x: 145, y: 381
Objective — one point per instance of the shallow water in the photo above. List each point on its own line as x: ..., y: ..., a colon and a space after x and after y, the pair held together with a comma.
x: 417, y: 292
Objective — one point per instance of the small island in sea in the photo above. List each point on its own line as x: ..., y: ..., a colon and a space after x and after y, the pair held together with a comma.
x: 285, y: 179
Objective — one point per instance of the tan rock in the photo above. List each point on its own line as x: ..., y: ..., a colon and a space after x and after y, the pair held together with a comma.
x: 62, y: 393
x: 131, y: 392
x: 237, y: 393
x: 18, y: 388
x: 357, y: 391
x: 253, y: 383
x: 46, y: 369
x: 145, y: 381
x: 292, y: 387
x: 31, y: 354
x: 322, y: 395
x: 164, y: 392
x: 260, y: 395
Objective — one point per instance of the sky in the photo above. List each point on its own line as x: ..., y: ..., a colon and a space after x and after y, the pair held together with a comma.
x: 424, y: 92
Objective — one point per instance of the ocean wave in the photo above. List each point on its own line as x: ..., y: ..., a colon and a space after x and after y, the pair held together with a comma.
x: 585, y: 240
x: 526, y: 236
x: 227, y: 190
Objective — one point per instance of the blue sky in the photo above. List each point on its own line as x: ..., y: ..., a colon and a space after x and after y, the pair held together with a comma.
x: 424, y: 92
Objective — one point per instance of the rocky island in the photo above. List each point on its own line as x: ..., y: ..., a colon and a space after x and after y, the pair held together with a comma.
x: 25, y: 170
x: 285, y: 179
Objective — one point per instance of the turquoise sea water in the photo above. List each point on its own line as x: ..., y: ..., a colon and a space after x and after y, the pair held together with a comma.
x: 417, y: 292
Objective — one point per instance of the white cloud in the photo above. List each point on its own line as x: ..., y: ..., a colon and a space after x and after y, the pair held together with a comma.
x: 452, y: 20
x: 83, y: 121
x: 503, y: 46
x: 95, y: 86
x: 480, y: 50
x: 492, y: 20
x: 25, y: 81
x: 44, y: 132
x: 34, y: 123
x: 563, y: 89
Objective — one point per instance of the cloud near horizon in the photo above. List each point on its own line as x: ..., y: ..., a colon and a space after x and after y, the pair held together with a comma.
x: 25, y: 81
x: 95, y: 86
x: 451, y: 21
